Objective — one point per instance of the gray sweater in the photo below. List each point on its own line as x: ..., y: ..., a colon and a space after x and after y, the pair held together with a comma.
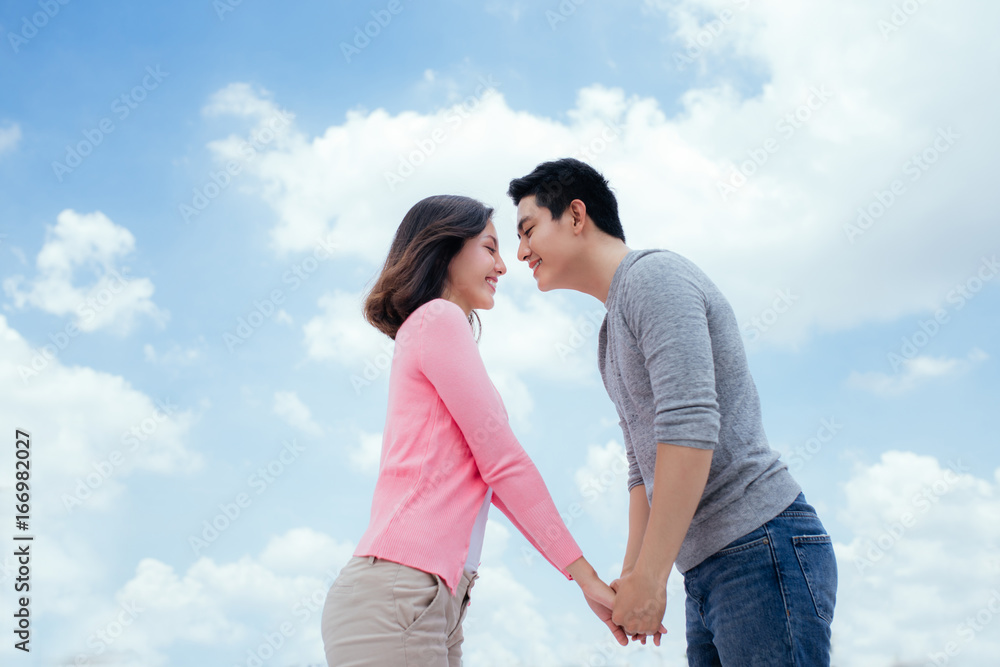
x: 673, y: 363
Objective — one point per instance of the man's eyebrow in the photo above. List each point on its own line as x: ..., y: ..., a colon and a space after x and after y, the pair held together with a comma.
x: 520, y: 225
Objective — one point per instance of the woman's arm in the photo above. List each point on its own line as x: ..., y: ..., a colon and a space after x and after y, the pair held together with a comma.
x: 449, y: 358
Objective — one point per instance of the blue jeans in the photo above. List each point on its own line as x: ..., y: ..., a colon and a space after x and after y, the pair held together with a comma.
x: 766, y: 598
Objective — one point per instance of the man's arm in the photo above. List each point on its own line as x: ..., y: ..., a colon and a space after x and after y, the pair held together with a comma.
x: 678, y: 483
x: 638, y: 517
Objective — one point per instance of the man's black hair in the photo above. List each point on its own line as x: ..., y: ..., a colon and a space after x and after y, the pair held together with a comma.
x: 555, y: 184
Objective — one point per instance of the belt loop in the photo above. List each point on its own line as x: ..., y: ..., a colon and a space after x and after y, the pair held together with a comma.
x: 371, y: 560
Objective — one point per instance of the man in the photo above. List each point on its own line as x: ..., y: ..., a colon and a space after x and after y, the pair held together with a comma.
x: 706, y: 491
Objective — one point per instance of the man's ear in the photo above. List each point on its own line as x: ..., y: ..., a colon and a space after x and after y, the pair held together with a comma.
x: 578, y: 215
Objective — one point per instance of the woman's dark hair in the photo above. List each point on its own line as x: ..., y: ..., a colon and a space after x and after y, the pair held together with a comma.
x: 432, y: 232
x: 555, y: 184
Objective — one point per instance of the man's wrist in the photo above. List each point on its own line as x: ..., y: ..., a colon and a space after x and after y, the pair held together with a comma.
x: 649, y: 569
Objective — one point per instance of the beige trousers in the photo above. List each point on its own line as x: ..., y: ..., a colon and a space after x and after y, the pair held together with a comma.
x: 381, y: 613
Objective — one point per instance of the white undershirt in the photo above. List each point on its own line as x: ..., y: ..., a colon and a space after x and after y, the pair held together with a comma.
x: 478, y: 532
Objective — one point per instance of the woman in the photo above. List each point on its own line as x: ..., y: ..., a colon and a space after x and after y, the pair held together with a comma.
x: 447, y: 454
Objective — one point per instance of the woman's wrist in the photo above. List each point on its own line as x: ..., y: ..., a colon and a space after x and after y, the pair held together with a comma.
x: 581, y: 571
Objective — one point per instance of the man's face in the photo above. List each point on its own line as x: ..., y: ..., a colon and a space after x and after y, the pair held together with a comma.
x: 540, y: 243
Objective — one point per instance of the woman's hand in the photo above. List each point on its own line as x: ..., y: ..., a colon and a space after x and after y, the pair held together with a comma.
x: 598, y: 594
x: 601, y: 599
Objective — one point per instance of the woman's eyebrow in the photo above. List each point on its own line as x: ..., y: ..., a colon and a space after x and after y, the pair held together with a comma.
x: 490, y: 236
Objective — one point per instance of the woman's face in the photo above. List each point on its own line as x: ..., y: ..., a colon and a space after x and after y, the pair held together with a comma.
x: 473, y: 272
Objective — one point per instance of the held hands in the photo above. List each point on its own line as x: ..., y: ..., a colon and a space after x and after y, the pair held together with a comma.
x: 640, y: 602
x: 607, y: 605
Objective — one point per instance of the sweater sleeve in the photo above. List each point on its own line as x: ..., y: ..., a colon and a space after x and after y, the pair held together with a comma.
x: 634, y: 474
x: 666, y: 310
x: 449, y: 358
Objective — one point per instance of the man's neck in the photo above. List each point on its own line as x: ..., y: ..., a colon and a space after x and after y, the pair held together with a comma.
x: 599, y: 269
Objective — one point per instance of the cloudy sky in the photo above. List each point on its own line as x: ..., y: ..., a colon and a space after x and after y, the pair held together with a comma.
x: 195, y: 196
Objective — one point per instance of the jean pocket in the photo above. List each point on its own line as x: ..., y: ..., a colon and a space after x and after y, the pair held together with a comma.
x: 819, y: 568
x: 754, y: 538
x: 414, y: 593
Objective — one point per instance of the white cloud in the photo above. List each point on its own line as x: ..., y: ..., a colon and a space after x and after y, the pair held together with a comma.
x: 96, y: 427
x: 342, y: 334
x: 88, y: 241
x: 915, y: 371
x: 365, y: 457
x: 601, y: 481
x: 785, y: 228
x: 510, y: 624
x: 290, y: 408
x: 175, y: 356
x: 241, y: 99
x: 919, y: 563
x: 9, y: 137
x: 227, y: 604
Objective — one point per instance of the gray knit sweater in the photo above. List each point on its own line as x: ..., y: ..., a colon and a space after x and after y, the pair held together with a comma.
x: 673, y: 363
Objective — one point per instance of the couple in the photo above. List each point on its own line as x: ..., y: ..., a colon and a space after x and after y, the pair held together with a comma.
x: 759, y: 570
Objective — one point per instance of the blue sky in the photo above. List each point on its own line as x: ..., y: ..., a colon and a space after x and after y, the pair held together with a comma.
x: 877, y: 373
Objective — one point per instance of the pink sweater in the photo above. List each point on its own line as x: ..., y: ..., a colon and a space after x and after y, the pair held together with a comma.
x: 447, y: 440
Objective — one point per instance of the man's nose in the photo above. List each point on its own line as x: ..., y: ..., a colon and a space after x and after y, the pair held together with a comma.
x: 523, y: 252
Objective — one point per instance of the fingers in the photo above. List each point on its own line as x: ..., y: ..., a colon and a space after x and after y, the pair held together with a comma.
x: 618, y: 633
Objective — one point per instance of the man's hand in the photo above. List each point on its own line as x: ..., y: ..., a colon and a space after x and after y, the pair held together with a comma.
x: 640, y: 602
x: 638, y: 637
